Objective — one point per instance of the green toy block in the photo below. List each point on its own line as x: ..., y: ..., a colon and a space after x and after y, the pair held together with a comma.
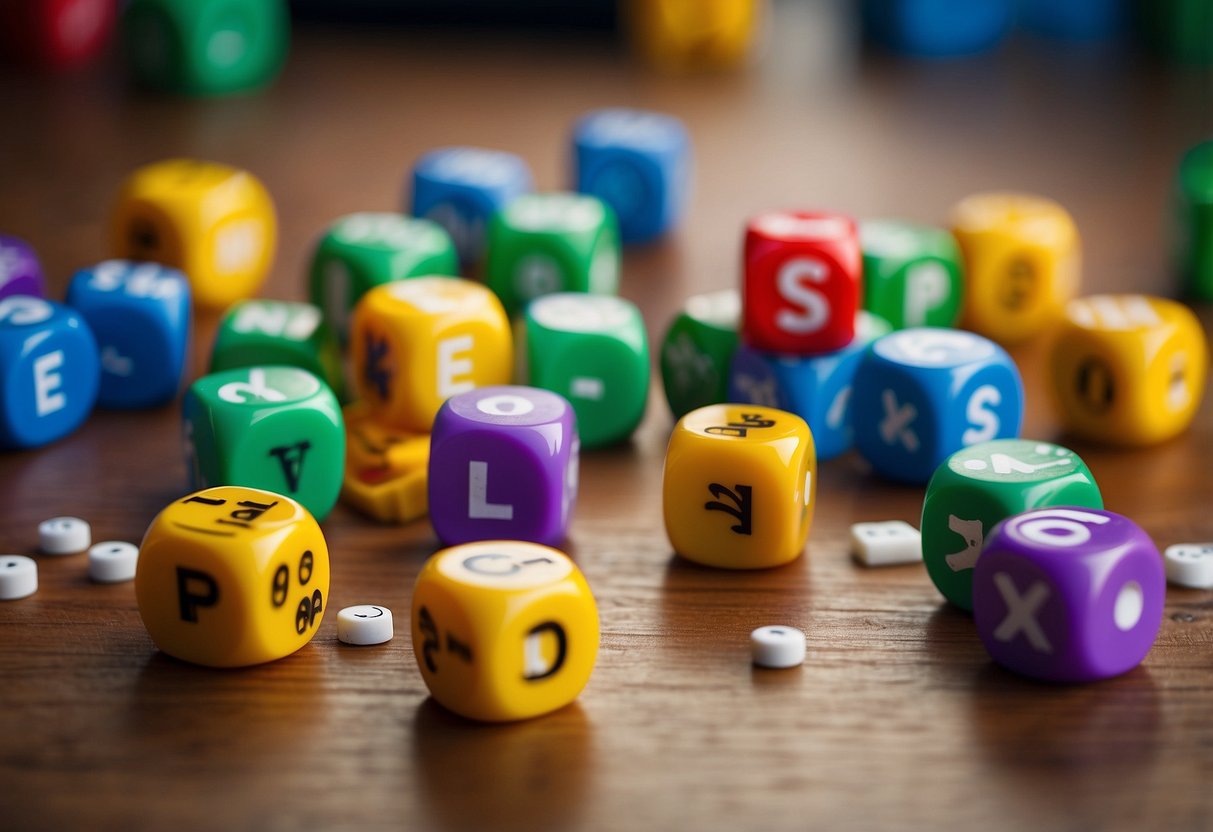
x: 697, y: 350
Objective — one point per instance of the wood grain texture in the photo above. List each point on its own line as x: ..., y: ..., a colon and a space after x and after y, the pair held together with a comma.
x: 898, y: 719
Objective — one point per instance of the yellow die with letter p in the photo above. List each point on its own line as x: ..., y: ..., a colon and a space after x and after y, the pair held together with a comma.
x: 503, y: 630
x: 232, y: 576
x: 1128, y: 369
x: 738, y: 486
x: 214, y: 222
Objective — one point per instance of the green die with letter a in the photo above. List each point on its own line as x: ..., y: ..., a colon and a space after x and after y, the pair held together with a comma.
x: 264, y: 332
x: 206, y: 47
x: 362, y: 251
x: 593, y: 350
x: 981, y: 485
x: 697, y: 350
x: 912, y: 274
x: 540, y: 244
x: 276, y: 428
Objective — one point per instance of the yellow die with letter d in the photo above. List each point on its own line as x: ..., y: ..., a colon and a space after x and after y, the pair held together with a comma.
x: 503, y: 630
x: 738, y: 486
x: 232, y: 576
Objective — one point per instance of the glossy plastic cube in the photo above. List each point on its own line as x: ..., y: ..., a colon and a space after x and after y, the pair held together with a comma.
x: 232, y: 576
x: 817, y: 388
x: 266, y: 332
x: 697, y: 350
x: 49, y: 371
x: 1128, y: 369
x: 938, y: 28
x: 277, y: 428
x: 555, y: 242
x: 56, y: 34
x: 415, y: 343
x: 503, y: 630
x: 460, y: 188
x: 503, y: 464
x: 211, y: 221
x: 139, y: 314
x: 739, y: 486
x: 912, y: 274
x: 206, y: 47
x: 921, y: 394
x: 1194, y: 215
x: 593, y: 350
x: 1068, y: 594
x: 802, y: 282
x: 978, y: 487
x: 1022, y: 264
x: 386, y: 470
x: 695, y: 35
x: 637, y: 162
x: 20, y: 271
x: 362, y: 251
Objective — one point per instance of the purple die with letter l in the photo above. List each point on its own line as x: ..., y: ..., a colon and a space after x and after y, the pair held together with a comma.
x: 1068, y: 594
x: 20, y: 272
x: 503, y: 465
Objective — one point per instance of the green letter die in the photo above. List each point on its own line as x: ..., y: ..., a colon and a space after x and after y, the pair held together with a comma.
x: 1196, y: 221
x: 540, y: 244
x: 978, y: 487
x: 262, y: 332
x: 911, y: 273
x: 206, y: 47
x: 362, y: 251
x: 277, y: 428
x: 697, y: 350
x: 591, y: 349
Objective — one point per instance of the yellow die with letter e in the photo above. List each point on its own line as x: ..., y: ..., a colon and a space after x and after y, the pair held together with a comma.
x: 738, y: 486
x: 232, y: 576
x: 503, y: 630
x: 214, y: 222
x: 1128, y: 369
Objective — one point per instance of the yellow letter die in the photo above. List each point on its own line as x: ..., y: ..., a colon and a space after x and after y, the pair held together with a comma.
x: 213, y: 222
x: 1022, y: 263
x: 738, y: 488
x: 414, y: 343
x: 232, y: 576
x: 503, y: 630
x: 1128, y: 369
x: 692, y: 35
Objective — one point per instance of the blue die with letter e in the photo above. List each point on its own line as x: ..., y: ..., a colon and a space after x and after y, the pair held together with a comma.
x: 921, y: 394
x: 140, y: 316
x: 48, y: 371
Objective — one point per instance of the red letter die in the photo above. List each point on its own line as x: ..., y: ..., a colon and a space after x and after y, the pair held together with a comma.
x: 802, y: 282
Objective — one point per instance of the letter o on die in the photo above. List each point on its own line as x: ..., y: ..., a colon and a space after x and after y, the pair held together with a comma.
x: 1068, y: 594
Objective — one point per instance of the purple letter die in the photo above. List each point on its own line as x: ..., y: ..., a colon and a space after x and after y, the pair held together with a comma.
x: 1068, y: 594
x: 503, y: 466
x: 20, y: 273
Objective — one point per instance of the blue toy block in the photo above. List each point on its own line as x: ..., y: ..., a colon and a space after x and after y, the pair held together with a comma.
x: 1075, y: 19
x: 637, y: 162
x: 48, y: 371
x: 140, y: 316
x: 460, y: 188
x: 939, y: 28
x: 922, y: 394
x: 817, y: 388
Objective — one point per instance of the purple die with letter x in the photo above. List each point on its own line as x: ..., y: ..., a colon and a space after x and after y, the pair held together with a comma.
x: 1068, y: 594
x: 503, y: 465
x: 20, y: 273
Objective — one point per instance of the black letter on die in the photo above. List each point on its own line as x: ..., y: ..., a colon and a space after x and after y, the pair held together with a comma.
x: 189, y: 601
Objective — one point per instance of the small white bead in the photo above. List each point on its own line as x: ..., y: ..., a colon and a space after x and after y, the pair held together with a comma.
x: 113, y: 561
x: 886, y: 543
x: 777, y: 646
x: 64, y: 536
x: 1190, y: 564
x: 364, y: 624
x: 18, y: 577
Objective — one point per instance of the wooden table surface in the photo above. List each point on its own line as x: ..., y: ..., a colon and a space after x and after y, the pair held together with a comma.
x: 897, y: 719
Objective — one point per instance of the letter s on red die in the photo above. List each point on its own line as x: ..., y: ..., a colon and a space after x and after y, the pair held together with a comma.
x: 802, y: 282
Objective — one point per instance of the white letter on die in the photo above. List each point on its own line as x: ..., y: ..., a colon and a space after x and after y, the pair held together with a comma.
x: 479, y: 508
x: 926, y: 288
x: 816, y: 310
x: 984, y: 421
x: 1021, y: 612
x: 449, y: 366
x: 46, y: 381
